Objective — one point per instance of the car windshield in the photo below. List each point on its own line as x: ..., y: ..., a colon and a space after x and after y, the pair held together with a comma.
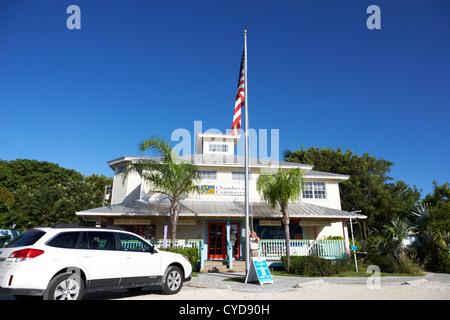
x: 26, y: 239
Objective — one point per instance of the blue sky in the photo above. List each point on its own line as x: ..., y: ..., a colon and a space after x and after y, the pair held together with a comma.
x: 315, y: 72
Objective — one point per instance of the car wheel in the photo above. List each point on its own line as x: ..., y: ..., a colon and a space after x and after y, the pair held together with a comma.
x: 66, y: 286
x: 172, y: 280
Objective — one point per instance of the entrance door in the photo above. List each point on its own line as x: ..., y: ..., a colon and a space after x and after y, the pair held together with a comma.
x: 217, y: 240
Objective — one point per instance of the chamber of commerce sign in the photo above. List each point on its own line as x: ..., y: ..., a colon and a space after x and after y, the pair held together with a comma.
x: 223, y: 189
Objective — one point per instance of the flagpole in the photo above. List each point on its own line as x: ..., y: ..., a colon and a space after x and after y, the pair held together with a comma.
x: 247, y: 233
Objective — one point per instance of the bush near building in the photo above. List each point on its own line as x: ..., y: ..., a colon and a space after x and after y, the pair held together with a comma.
x: 310, y: 266
x: 190, y: 253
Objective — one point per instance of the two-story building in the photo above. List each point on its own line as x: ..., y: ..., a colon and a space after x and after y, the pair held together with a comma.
x: 206, y: 219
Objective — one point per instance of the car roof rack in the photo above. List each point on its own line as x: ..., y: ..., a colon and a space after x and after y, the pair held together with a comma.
x: 77, y: 225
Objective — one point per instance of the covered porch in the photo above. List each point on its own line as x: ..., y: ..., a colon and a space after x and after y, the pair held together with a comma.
x: 207, y: 225
x: 271, y: 250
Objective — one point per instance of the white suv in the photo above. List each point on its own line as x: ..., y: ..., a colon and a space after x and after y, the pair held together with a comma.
x: 64, y: 262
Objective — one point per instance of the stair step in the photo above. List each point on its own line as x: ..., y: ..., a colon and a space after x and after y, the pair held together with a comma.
x: 222, y: 266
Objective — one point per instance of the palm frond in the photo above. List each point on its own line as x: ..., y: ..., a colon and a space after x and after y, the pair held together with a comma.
x: 159, y: 147
x: 280, y: 187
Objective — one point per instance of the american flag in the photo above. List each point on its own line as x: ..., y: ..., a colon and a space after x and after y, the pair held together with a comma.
x: 240, y: 100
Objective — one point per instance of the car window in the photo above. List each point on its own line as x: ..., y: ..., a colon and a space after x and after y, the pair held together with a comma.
x: 98, y: 241
x: 133, y: 243
x: 27, y: 238
x: 66, y: 240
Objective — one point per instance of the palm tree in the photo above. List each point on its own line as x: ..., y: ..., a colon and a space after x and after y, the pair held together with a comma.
x: 278, y: 188
x: 390, y: 240
x: 432, y: 224
x: 168, y: 176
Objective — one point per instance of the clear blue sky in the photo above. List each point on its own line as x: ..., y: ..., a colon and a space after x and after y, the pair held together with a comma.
x: 136, y: 68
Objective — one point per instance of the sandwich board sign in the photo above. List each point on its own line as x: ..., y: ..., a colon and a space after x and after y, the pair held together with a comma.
x: 259, y: 271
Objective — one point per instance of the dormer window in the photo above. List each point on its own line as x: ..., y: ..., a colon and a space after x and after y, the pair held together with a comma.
x: 216, y: 143
x: 215, y: 147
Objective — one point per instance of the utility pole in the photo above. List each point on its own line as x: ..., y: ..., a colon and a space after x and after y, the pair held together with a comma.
x: 353, y: 239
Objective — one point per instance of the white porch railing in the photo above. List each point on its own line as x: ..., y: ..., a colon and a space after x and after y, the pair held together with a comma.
x: 327, y: 249
x: 273, y: 249
x: 186, y: 243
x: 183, y: 243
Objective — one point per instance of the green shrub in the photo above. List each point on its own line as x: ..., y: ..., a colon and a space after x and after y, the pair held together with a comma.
x: 310, y: 266
x: 344, y: 265
x: 386, y: 263
x: 191, y: 253
x: 408, y: 266
x: 438, y: 261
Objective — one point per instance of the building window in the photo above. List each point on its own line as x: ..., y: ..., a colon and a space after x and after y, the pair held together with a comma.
x: 240, y: 175
x: 208, y: 174
x: 218, y: 148
x: 120, y: 169
x: 314, y: 190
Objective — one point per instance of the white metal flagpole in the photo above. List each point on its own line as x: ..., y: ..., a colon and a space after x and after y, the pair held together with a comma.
x: 247, y: 233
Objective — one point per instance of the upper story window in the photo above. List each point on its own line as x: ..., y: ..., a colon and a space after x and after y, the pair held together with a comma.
x: 120, y: 169
x: 208, y: 174
x: 314, y: 190
x: 214, y: 147
x: 240, y: 175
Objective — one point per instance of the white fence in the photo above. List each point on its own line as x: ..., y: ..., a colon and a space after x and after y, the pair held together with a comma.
x: 327, y: 249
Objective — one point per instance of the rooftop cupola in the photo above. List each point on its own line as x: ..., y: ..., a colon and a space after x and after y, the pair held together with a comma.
x: 216, y: 143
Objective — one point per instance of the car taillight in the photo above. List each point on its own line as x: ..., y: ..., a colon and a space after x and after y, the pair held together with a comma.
x: 25, y: 254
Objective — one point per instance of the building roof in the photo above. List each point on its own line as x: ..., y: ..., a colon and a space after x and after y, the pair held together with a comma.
x: 238, y: 161
x: 209, y: 208
x: 216, y: 160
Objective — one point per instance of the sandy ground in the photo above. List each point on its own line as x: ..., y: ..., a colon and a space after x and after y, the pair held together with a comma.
x: 320, y: 291
x: 313, y: 289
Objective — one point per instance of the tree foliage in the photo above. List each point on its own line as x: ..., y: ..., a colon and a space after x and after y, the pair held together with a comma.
x: 167, y: 175
x: 278, y: 189
x: 43, y: 193
x: 432, y: 218
x: 369, y: 188
x: 440, y: 197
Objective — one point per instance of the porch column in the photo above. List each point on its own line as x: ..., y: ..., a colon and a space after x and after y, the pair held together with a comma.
x: 229, y: 248
x: 165, y: 233
x: 316, y: 232
x: 345, y: 230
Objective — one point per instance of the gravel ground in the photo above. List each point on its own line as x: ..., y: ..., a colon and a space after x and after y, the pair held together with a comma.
x: 212, y: 287
x: 324, y: 291
x: 430, y: 287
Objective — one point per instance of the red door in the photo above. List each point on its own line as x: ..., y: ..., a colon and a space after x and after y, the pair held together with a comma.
x: 217, y: 240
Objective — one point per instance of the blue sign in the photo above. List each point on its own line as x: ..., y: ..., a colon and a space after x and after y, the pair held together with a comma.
x: 354, y: 247
x: 259, y: 270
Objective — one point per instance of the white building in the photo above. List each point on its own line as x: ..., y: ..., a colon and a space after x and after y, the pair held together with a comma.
x: 206, y: 217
